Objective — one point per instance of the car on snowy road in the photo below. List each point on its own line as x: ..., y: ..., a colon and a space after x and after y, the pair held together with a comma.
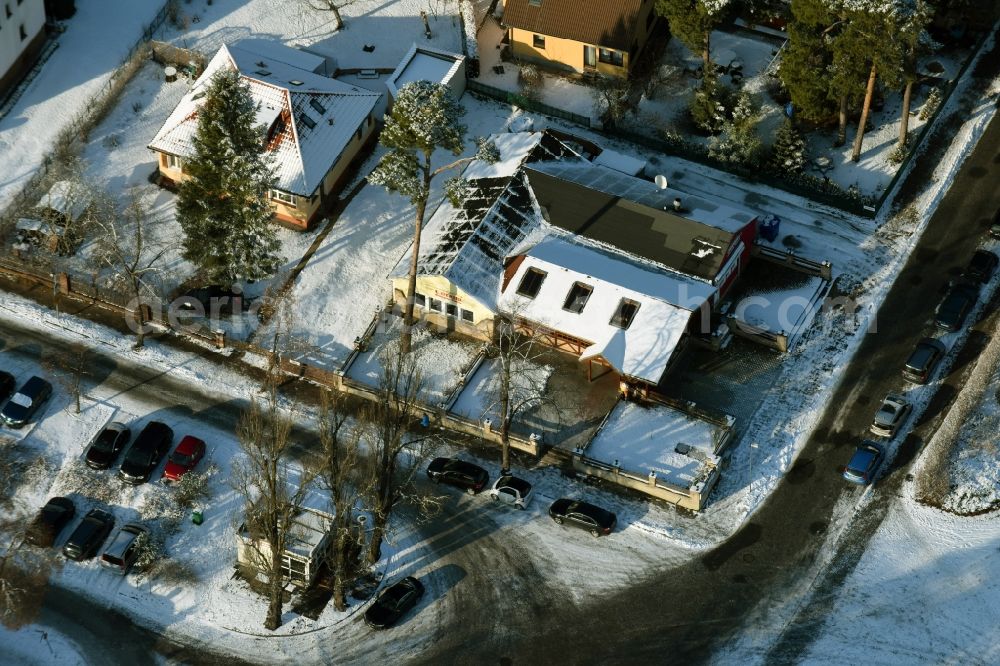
x: 890, y: 416
x: 924, y: 360
x: 107, y: 445
x: 956, y: 305
x: 89, y: 535
x: 981, y: 267
x: 26, y: 402
x: 123, y: 549
x: 864, y: 464
x: 45, y: 528
x: 511, y: 490
x: 393, y: 602
x: 459, y: 473
x: 584, y: 515
x: 146, y: 453
x: 185, y: 458
x: 7, y: 385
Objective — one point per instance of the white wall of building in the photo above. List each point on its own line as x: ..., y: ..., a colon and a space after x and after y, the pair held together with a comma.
x: 17, y: 18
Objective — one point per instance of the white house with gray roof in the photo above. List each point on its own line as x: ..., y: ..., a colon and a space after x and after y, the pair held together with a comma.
x: 313, y: 126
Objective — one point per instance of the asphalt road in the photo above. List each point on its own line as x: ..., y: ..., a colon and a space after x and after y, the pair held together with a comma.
x: 683, y: 615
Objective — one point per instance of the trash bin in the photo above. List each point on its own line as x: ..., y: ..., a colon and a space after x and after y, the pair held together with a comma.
x: 769, y: 227
x: 196, y: 517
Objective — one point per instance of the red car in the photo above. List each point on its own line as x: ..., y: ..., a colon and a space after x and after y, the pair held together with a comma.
x: 184, y: 458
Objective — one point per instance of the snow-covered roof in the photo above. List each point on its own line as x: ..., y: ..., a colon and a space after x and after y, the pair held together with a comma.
x: 665, y: 303
x: 67, y: 197
x: 467, y: 245
x: 422, y: 63
x: 321, y: 115
x: 620, y: 162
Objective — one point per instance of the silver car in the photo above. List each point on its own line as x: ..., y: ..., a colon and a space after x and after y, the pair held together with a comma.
x: 121, y: 552
x: 512, y: 490
x: 890, y: 416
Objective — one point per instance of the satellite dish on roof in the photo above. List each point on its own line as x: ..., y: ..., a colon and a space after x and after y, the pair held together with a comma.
x: 661, y: 181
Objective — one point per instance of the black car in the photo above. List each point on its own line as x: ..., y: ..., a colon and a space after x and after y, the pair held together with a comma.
x: 957, y: 303
x: 146, y: 453
x: 994, y: 231
x: 7, y: 385
x: 458, y: 473
x: 23, y: 404
x: 204, y: 301
x: 107, y: 445
x: 89, y: 535
x: 981, y: 266
x: 923, y: 360
x: 395, y: 600
x: 584, y: 515
x: 44, y: 529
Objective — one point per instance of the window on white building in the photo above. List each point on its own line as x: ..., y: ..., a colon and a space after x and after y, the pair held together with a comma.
x: 284, y: 197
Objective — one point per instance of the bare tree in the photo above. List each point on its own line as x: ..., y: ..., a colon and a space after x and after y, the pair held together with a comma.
x: 271, y: 496
x: 344, y: 472
x: 387, y: 434
x: 516, y: 386
x: 69, y: 365
x: 132, y: 258
x: 331, y: 6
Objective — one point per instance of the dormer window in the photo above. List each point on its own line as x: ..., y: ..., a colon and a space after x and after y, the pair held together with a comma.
x: 531, y: 283
x: 625, y: 313
x: 577, y: 298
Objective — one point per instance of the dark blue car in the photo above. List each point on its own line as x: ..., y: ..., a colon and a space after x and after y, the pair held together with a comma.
x: 23, y: 404
x: 864, y: 463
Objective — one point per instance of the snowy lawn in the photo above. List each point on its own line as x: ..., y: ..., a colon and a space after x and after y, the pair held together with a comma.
x: 478, y: 399
x: 96, y: 40
x: 926, y: 591
x: 441, y: 359
x: 337, y: 294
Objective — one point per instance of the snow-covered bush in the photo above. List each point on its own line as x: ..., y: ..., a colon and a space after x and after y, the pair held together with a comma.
x: 707, y: 111
x: 931, y: 105
x: 192, y: 489
x: 161, y: 512
x: 789, y: 151
x: 899, y: 153
x: 738, y: 142
x: 77, y: 478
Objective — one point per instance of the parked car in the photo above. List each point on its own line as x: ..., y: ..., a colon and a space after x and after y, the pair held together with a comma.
x: 23, y: 404
x: 890, y: 416
x: 7, y: 384
x: 89, y: 535
x: 185, y: 458
x: 864, y: 463
x: 394, y: 600
x: 146, y: 453
x: 511, y: 490
x: 46, y: 526
x: 123, y: 549
x: 981, y: 267
x: 924, y: 360
x: 584, y: 515
x: 454, y: 472
x: 994, y: 231
x: 107, y: 445
x: 957, y: 303
x: 202, y: 300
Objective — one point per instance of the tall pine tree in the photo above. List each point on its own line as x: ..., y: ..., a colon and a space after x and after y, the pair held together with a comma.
x: 223, y: 206
x: 692, y: 22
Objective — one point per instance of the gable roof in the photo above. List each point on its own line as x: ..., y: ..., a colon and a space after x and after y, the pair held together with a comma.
x: 609, y: 23
x: 637, y: 217
x: 320, y: 114
x: 665, y: 303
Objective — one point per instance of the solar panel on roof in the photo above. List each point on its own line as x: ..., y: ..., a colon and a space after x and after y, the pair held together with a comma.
x: 307, y: 121
x: 317, y: 106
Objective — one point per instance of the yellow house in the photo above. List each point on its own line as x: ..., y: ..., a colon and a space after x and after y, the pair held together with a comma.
x: 313, y: 126
x: 603, y: 36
